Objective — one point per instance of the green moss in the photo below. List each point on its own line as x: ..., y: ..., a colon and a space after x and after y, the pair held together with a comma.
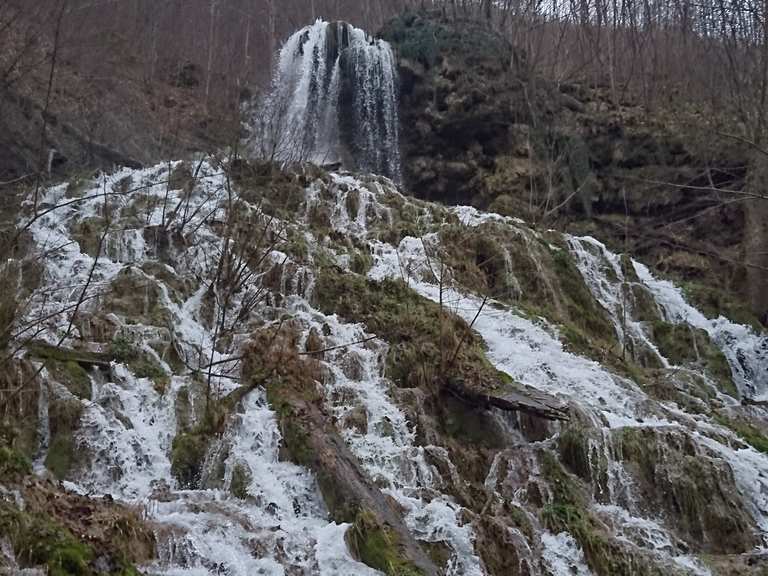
x: 195, y: 432
x: 141, y: 363
x: 714, y: 302
x: 13, y: 463
x: 569, y: 512
x: 241, y: 480
x: 644, y: 305
x: 187, y: 457
x: 64, y: 419
x: 295, y: 437
x: 72, y: 375
x: 296, y: 246
x: 581, y: 307
x: 64, y: 355
x: 361, y: 262
x: 519, y: 518
x: 750, y: 434
x: 478, y: 260
x: 379, y: 547
x: 685, y: 345
x: 423, y: 338
x: 61, y: 455
x: 38, y: 541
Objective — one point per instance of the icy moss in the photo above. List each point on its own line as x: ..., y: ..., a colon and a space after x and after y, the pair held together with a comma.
x: 379, y: 547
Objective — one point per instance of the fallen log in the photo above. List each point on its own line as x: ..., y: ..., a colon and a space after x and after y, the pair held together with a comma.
x: 44, y: 351
x: 508, y: 397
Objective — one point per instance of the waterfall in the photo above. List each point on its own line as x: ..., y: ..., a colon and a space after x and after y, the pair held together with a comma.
x: 333, y: 99
x: 744, y: 348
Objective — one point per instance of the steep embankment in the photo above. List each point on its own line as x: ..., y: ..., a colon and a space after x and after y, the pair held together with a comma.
x: 308, y: 373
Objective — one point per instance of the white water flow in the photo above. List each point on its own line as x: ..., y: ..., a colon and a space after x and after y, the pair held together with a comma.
x: 334, y: 99
x: 601, y: 270
x: 384, y: 441
x: 533, y: 356
x: 745, y: 349
x: 278, y: 523
x: 254, y: 514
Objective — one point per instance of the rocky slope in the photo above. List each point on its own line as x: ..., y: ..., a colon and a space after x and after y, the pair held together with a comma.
x: 302, y: 372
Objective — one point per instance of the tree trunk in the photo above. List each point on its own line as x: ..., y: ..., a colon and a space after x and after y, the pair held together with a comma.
x: 756, y: 237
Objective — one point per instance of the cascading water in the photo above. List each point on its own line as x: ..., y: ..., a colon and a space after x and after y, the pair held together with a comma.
x: 334, y: 99
x: 745, y: 349
x: 255, y: 513
x: 278, y: 524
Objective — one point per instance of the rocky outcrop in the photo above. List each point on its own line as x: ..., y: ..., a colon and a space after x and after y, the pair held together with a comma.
x: 479, y: 127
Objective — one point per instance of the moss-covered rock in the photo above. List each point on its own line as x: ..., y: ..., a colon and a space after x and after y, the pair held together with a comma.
x: 748, y: 432
x: 240, y: 481
x: 378, y: 536
x: 140, y: 362
x: 379, y: 547
x: 63, y: 419
x: 13, y: 464
x: 40, y: 542
x: 138, y: 298
x: 714, y: 302
x: 694, y: 489
x: 187, y: 458
x: 684, y: 345
x: 88, y: 233
x: 68, y: 534
x: 568, y: 510
x: 72, y: 375
x: 426, y: 342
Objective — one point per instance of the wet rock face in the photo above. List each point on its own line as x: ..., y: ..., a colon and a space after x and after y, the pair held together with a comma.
x: 456, y: 103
